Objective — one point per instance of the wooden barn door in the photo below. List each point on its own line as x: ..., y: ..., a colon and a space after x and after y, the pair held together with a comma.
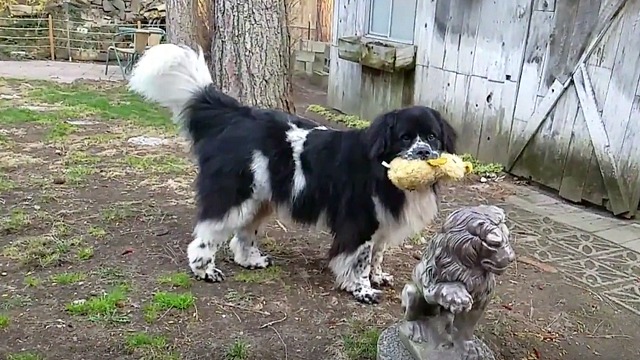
x: 577, y: 149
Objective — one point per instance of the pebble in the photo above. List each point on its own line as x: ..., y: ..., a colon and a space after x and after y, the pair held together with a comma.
x: 147, y: 141
x: 4, y: 273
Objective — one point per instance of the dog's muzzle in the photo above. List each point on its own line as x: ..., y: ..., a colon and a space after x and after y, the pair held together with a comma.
x: 420, y: 151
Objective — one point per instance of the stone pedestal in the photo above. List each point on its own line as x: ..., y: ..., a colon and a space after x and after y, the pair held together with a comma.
x: 393, y: 345
x: 390, y: 346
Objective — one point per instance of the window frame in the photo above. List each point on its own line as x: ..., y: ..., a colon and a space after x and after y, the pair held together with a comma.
x: 387, y: 37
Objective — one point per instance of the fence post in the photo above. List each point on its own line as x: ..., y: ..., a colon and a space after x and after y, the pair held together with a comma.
x: 68, y: 20
x: 52, y: 47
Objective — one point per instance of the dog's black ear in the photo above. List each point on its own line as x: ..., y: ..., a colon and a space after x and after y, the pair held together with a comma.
x: 448, y: 135
x: 380, y: 135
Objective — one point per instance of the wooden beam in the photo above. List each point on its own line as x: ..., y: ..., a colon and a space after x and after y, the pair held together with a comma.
x: 535, y: 121
x: 609, y: 13
x: 600, y: 142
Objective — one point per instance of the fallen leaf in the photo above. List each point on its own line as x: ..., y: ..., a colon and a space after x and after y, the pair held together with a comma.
x: 127, y: 251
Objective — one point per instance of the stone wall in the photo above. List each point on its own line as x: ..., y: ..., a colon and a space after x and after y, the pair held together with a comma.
x: 97, y: 11
x: 82, y: 29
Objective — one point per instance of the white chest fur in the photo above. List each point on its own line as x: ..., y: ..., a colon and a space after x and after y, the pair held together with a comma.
x: 420, y: 209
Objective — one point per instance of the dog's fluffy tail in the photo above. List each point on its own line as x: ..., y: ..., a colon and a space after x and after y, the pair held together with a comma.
x: 173, y: 76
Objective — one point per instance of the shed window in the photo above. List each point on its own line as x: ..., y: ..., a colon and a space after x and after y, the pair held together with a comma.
x: 392, y: 19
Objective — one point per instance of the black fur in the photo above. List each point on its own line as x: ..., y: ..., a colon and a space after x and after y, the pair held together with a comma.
x: 343, y: 169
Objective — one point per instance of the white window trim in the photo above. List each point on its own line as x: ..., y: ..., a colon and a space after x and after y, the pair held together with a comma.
x: 385, y: 37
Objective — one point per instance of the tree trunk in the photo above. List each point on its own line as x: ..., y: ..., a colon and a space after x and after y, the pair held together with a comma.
x: 250, y: 54
x: 324, y: 14
x: 181, y: 24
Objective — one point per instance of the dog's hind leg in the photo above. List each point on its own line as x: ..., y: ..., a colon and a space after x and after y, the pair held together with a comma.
x: 244, y: 243
x: 208, y: 236
x: 352, y: 271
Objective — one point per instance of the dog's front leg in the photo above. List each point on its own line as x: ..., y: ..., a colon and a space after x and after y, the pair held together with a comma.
x: 244, y: 246
x: 202, y: 251
x: 352, y: 271
x: 379, y: 278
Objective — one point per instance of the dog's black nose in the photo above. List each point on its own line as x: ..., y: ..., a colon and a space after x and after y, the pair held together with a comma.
x: 426, y: 154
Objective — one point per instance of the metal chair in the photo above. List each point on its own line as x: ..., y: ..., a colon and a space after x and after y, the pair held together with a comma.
x: 141, y: 39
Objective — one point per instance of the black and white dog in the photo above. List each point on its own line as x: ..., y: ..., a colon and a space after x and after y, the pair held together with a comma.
x: 253, y: 162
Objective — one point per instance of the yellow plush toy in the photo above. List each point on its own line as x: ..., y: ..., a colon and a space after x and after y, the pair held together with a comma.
x: 417, y: 174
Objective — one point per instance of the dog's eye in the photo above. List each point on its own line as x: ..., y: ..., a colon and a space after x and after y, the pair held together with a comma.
x: 406, y: 137
x: 431, y: 137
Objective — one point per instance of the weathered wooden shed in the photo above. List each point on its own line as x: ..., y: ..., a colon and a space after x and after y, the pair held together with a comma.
x: 549, y: 88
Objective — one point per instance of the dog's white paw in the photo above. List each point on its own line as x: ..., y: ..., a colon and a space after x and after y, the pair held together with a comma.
x: 212, y: 274
x: 247, y: 256
x: 367, y: 295
x: 381, y: 279
x: 256, y: 262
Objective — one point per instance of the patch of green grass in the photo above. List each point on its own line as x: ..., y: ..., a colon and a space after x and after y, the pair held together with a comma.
x: 116, y: 103
x: 60, y: 131
x: 4, y: 321
x: 111, y: 275
x: 85, y: 253
x: 141, y: 339
x: 83, y: 100
x: 165, y: 301
x: 81, y: 158
x: 15, y: 301
x: 417, y: 239
x: 17, y: 115
x: 60, y: 229
x: 161, y: 164
x: 97, y: 232
x: 101, y: 139
x: 79, y: 165
x: 32, y: 281
x: 350, y: 121
x: 78, y: 174
x: 106, y: 307
x: 6, y: 184
x: 16, y: 221
x: 25, y: 355
x: 483, y: 169
x: 176, y: 280
x: 67, y: 278
x: 261, y: 276
x: 40, y: 251
x: 65, y: 246
x: 238, y: 350
x: 152, y: 347
x: 116, y: 213
x: 361, y: 343
x: 150, y: 313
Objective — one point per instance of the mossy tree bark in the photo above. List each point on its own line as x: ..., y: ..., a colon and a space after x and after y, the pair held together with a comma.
x: 250, y: 54
x: 181, y: 22
x: 324, y: 14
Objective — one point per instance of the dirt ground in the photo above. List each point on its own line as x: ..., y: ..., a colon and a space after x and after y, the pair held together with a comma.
x: 93, y: 231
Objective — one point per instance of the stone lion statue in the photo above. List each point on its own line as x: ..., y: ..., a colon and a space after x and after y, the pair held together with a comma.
x: 454, y: 280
